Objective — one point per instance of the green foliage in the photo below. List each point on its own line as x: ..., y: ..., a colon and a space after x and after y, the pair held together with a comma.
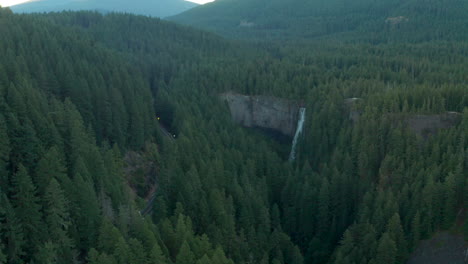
x: 185, y: 255
x: 47, y: 253
x: 58, y: 221
x: 465, y: 229
x: 96, y: 258
x: 2, y: 256
x: 396, y: 233
x: 386, y: 251
x: 27, y: 208
x: 49, y: 168
x: 300, y: 19
x: 156, y: 255
x: 80, y: 90
x: 12, y: 233
x: 4, y: 154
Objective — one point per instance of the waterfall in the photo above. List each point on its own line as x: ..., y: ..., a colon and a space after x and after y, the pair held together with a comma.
x: 300, y: 124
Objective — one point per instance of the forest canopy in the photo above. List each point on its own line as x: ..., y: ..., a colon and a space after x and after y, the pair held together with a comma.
x: 83, y: 93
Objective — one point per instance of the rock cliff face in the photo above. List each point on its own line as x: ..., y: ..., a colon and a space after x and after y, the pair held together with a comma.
x: 443, y: 248
x: 426, y: 125
x: 263, y: 111
x: 422, y: 125
x: 281, y: 115
x: 353, y: 113
x: 396, y: 20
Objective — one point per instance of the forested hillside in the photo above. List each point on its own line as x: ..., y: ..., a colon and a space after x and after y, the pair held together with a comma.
x: 155, y: 8
x: 79, y: 91
x: 374, y: 21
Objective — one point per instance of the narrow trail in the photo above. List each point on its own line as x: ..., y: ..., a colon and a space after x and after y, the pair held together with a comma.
x: 151, y: 193
x: 166, y: 132
x: 150, y: 197
x: 149, y: 205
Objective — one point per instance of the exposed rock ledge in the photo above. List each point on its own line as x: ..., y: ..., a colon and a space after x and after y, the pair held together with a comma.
x: 426, y: 125
x: 246, y: 23
x: 422, y: 125
x: 396, y: 20
x: 263, y: 111
x: 443, y: 248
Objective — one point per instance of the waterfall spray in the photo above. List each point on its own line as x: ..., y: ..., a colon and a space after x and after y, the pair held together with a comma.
x: 300, y: 125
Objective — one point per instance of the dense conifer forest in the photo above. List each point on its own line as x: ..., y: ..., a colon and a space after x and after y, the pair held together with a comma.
x: 81, y: 93
x: 358, y: 20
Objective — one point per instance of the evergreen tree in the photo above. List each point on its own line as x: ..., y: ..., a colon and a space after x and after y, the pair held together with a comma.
x: 122, y: 252
x: 108, y: 236
x: 156, y: 255
x: 386, y: 250
x: 345, y: 252
x: 450, y: 206
x: 58, y: 221
x: 137, y: 252
x: 12, y: 233
x: 396, y: 233
x: 95, y: 258
x: 416, y: 230
x: 2, y: 256
x: 47, y: 253
x: 185, y: 255
x: 296, y: 257
x: 219, y: 257
x: 49, y: 167
x: 204, y: 260
x: 323, y: 214
x: 86, y: 212
x: 4, y: 154
x: 25, y: 146
x: 27, y: 208
x: 465, y: 228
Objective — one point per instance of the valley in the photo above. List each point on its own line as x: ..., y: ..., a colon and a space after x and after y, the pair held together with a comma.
x: 318, y: 132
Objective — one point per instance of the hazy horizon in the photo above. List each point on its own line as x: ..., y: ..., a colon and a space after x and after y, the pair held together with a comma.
x: 201, y: 2
x: 7, y: 3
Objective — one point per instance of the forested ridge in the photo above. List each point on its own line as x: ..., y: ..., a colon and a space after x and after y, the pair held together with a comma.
x: 260, y: 20
x: 79, y: 91
x: 155, y: 8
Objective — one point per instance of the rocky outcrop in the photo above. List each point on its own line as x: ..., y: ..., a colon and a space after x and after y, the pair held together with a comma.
x: 263, y: 111
x: 443, y: 248
x: 351, y: 106
x: 281, y: 115
x: 396, y: 20
x: 246, y: 23
x: 423, y: 125
x: 140, y: 172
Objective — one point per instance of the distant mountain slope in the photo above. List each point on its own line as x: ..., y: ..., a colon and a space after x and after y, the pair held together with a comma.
x: 429, y: 19
x: 157, y: 8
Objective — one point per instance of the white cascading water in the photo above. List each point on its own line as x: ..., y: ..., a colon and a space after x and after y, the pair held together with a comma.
x: 300, y: 125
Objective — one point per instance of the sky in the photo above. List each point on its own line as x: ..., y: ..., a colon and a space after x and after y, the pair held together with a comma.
x: 198, y: 1
x: 6, y: 3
